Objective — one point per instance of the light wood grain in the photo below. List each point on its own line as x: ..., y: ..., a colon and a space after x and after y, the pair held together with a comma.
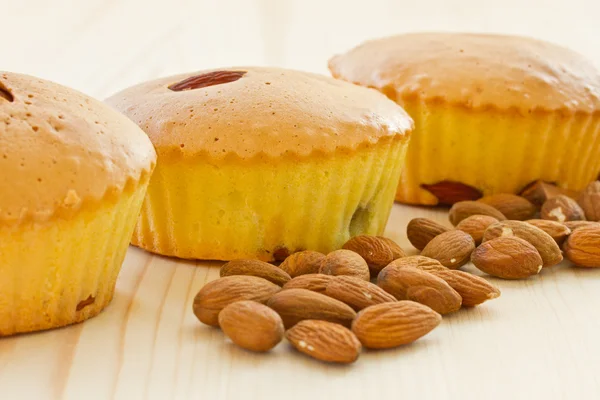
x: 539, y: 340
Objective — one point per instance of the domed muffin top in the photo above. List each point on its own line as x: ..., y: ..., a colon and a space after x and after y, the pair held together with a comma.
x: 474, y: 70
x: 60, y: 149
x: 256, y: 111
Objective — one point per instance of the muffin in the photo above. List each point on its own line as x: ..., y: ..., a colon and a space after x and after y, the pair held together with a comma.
x: 263, y: 162
x: 73, y: 176
x: 492, y: 113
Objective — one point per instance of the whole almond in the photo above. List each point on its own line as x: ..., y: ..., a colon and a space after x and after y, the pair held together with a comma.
x: 302, y: 263
x: 257, y: 268
x: 218, y: 294
x: 420, y: 262
x: 562, y: 208
x: 558, y: 231
x: 465, y: 209
x: 325, y: 341
x: 589, y: 200
x: 251, y: 325
x: 544, y: 244
x: 420, y: 231
x: 537, y: 192
x: 582, y: 247
x: 507, y: 257
x: 397, y: 251
x: 295, y: 305
x: 356, y: 292
x: 452, y: 249
x: 473, y: 289
x: 376, y: 251
x: 512, y: 206
x: 388, y: 325
x: 573, y: 225
x: 410, y: 283
x: 315, y: 282
x: 450, y: 192
x: 475, y: 225
x: 345, y: 262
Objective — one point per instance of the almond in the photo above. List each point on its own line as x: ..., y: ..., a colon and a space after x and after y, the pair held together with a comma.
x: 537, y: 192
x: 582, y: 247
x: 558, y: 231
x: 397, y: 251
x: 450, y: 192
x: 315, y: 282
x: 356, y: 292
x: 410, y: 283
x: 255, y: 268
x: 589, y: 200
x: 512, y: 206
x: 420, y: 262
x: 302, y: 263
x: 388, y: 325
x: 573, y: 225
x: 562, y: 208
x: 345, y: 262
x: 325, y: 341
x: 376, y: 251
x: 507, y: 257
x: 465, y: 209
x: 544, y: 244
x: 452, y: 249
x: 251, y: 325
x: 420, y: 231
x: 295, y: 305
x: 218, y: 294
x: 475, y: 225
x: 205, y: 80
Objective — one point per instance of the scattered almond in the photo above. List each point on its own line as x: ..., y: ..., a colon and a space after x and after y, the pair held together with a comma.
x: 582, y: 247
x: 410, y: 283
x: 465, y: 209
x: 475, y: 225
x: 450, y: 192
x: 345, y: 262
x: 315, y: 282
x: 390, y: 325
x: 573, y: 225
x: 589, y: 200
x: 452, y: 249
x: 295, y: 305
x: 512, y: 206
x: 356, y: 292
x: 218, y: 294
x: 544, y: 244
x: 558, y: 231
x: 397, y: 251
x: 507, y: 257
x: 325, y: 341
x: 251, y: 325
x: 255, y: 268
x: 420, y: 231
x: 473, y: 289
x: 376, y: 251
x: 420, y: 262
x: 562, y: 208
x: 302, y: 263
x: 537, y: 192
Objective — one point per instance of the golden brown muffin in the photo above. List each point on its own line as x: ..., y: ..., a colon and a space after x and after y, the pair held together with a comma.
x: 73, y: 174
x: 261, y: 162
x: 492, y: 113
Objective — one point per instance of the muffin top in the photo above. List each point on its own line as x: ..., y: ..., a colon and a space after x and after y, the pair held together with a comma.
x: 254, y: 111
x: 60, y: 148
x: 474, y: 70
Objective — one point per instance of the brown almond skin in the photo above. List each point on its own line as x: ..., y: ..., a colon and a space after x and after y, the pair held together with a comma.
x: 556, y: 230
x: 537, y: 192
x: 465, y: 209
x: 218, y: 294
x: 450, y: 192
x: 325, y: 341
x: 251, y: 325
x: 582, y: 247
x: 345, y: 262
x: 589, y: 200
x: 376, y: 251
x: 256, y: 268
x: 507, y: 257
x: 389, y: 325
x: 295, y: 305
x: 420, y: 231
x: 314, y: 282
x: 397, y: 251
x: 420, y: 262
x: 302, y: 263
x: 512, y: 206
x: 562, y: 208
x: 452, y: 249
x: 356, y: 292
x: 573, y: 225
x: 475, y: 225
x: 544, y: 244
x: 410, y: 283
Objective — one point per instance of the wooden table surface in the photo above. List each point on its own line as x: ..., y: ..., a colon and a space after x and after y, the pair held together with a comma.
x: 539, y: 340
